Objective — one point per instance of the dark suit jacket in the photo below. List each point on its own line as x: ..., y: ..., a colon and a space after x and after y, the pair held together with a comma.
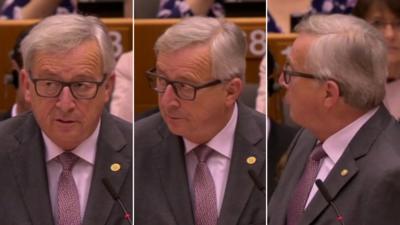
x: 279, y: 139
x: 5, y: 115
x: 162, y: 195
x: 24, y: 195
x: 368, y: 195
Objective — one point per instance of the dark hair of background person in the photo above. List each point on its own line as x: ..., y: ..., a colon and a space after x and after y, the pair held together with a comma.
x: 270, y: 72
x: 363, y: 6
x: 17, y: 56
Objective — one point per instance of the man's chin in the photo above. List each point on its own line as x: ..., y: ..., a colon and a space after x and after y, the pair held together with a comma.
x: 66, y: 140
x: 176, y: 129
x: 67, y: 145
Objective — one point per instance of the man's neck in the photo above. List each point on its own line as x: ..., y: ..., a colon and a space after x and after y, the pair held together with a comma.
x: 206, y: 135
x: 337, y: 120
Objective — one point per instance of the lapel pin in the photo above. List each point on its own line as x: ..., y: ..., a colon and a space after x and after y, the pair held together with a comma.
x: 344, y: 172
x: 115, y: 167
x: 251, y: 160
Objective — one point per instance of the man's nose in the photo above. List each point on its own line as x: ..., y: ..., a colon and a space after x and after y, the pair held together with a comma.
x: 169, y: 97
x: 66, y: 100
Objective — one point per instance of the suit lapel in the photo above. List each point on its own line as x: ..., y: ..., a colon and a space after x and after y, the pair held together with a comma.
x: 334, y: 183
x: 292, y: 173
x: 247, y: 136
x: 30, y: 172
x: 111, y: 148
x: 357, y: 148
x: 170, y: 161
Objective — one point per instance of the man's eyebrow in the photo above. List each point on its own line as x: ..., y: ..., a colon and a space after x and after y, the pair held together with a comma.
x: 180, y: 78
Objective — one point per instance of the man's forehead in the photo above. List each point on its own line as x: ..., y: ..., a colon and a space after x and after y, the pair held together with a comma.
x: 300, y: 48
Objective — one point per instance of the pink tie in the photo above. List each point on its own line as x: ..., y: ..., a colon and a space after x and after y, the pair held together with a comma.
x: 300, y: 195
x: 205, y: 198
x: 67, y: 195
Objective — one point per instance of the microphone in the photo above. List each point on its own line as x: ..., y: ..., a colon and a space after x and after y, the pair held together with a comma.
x: 260, y: 186
x: 328, y: 198
x: 115, y: 196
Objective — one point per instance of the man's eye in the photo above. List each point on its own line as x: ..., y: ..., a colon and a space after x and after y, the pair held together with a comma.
x: 181, y: 85
x: 50, y: 83
x: 82, y: 85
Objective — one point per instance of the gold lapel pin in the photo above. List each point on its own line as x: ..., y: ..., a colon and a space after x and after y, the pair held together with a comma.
x: 115, y: 167
x: 344, y: 172
x: 251, y: 160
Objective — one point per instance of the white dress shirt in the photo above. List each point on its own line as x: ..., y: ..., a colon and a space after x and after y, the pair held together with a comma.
x: 219, y: 161
x: 334, y: 147
x: 82, y: 170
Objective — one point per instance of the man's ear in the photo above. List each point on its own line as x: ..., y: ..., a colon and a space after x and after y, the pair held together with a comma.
x: 25, y: 84
x: 109, y: 87
x: 332, y: 93
x: 233, y: 90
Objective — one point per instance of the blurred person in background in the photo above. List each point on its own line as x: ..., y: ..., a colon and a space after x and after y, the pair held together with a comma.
x: 20, y: 106
x: 287, y: 13
x: 36, y: 9
x: 332, y: 6
x: 184, y: 8
x: 128, y: 8
x: 121, y: 102
x: 385, y: 16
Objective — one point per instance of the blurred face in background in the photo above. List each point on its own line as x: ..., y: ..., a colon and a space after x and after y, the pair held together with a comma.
x: 384, y: 19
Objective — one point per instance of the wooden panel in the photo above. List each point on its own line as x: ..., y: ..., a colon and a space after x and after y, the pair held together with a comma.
x: 148, y: 30
x: 279, y: 45
x: 120, y: 31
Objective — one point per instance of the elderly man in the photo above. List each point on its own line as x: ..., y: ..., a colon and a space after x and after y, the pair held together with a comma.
x: 335, y: 79
x: 192, y: 160
x: 56, y: 159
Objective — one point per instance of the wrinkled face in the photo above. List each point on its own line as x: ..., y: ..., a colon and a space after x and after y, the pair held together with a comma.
x: 202, y: 118
x: 389, y: 24
x: 303, y: 95
x: 66, y: 120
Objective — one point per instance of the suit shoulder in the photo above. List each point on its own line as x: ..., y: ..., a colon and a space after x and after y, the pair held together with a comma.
x: 122, y: 124
x: 389, y: 140
x: 11, y: 125
x: 259, y: 118
x: 149, y: 123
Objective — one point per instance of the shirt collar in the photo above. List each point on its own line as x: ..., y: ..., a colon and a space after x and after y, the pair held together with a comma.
x: 336, y: 144
x: 223, y: 141
x: 86, y: 150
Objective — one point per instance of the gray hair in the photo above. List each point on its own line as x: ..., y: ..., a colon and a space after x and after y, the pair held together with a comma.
x: 226, y: 40
x: 61, y: 33
x: 351, y: 52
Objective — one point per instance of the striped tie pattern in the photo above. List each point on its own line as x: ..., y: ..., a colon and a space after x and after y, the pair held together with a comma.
x: 205, y: 198
x: 67, y: 195
x: 300, y: 195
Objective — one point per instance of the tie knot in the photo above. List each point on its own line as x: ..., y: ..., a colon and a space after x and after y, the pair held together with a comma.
x: 67, y: 160
x: 203, y: 152
x: 318, y: 153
